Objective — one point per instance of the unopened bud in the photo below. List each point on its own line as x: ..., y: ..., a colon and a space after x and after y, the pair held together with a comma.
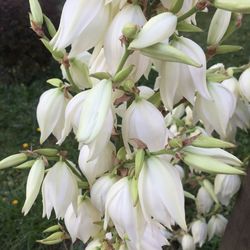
x: 121, y: 154
x: 210, y: 188
x: 47, y: 151
x: 101, y: 75
x: 175, y: 143
x: 53, y: 239
x: 223, y: 49
x: 187, y: 27
x: 130, y: 31
x: 13, y: 160
x: 128, y: 85
x: 210, y: 142
x: 242, y: 6
x: 139, y: 160
x: 168, y: 53
x: 134, y: 190
x: 52, y: 229
x: 36, y: 12
x: 123, y: 74
x: 50, y: 26
x: 25, y: 165
x: 55, y: 82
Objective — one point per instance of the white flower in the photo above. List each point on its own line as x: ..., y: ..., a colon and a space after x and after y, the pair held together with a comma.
x: 216, y: 113
x: 218, y: 26
x: 94, y: 245
x: 50, y: 113
x: 79, y: 18
x: 95, y: 109
x: 127, y: 218
x: 161, y: 193
x: 82, y: 224
x: 94, y: 168
x: 216, y: 226
x: 59, y: 190
x: 226, y: 186
x: 34, y: 183
x: 187, y: 242
x: 204, y: 201
x: 99, y: 191
x: 187, y: 79
x: 245, y: 84
x: 113, y: 48
x: 158, y: 29
x: 144, y: 121
x: 199, y: 231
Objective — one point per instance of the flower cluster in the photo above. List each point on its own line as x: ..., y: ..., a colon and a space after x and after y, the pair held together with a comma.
x: 146, y: 152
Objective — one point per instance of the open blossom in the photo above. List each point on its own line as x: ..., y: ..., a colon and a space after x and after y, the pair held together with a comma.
x: 59, y: 190
x: 226, y: 186
x: 187, y: 242
x: 178, y: 80
x: 199, y: 231
x: 161, y: 193
x: 216, y: 226
x: 204, y: 201
x: 82, y: 223
x: 143, y: 121
x: 50, y: 113
x: 79, y: 18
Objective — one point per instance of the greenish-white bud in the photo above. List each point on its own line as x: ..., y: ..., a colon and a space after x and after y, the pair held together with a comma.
x: 36, y: 11
x: 210, y: 188
x: 47, y: 151
x: 123, y: 74
x: 55, y: 82
x: 53, y: 239
x: 52, y: 229
x: 50, y: 26
x: 130, y: 30
x: 168, y: 53
x: 13, y: 160
x: 242, y: 6
x: 187, y: 27
x: 25, y: 165
x: 210, y: 142
x: 224, y: 49
x: 134, y: 190
x: 139, y: 160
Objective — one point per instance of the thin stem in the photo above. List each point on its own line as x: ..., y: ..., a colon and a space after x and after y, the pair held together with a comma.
x: 187, y: 14
x: 125, y: 56
x: 71, y: 81
x: 79, y: 175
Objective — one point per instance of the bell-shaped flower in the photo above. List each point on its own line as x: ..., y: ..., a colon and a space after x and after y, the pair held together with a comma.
x: 226, y: 186
x: 114, y: 50
x: 199, y: 231
x: 158, y: 29
x: 216, y: 226
x: 245, y: 84
x: 80, y: 18
x: 50, y: 113
x: 99, y: 191
x: 204, y: 201
x: 144, y: 122
x: 34, y: 183
x: 59, y: 190
x: 216, y: 113
x: 94, y: 168
x: 93, y: 245
x: 95, y: 109
x: 82, y: 224
x: 187, y: 242
x: 178, y: 80
x: 218, y: 26
x: 161, y: 193
x: 127, y: 218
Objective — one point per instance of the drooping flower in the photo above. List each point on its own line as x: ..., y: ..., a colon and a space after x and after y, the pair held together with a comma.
x: 161, y: 193
x: 187, y: 242
x: 216, y: 226
x: 59, y: 190
x: 82, y: 224
x: 204, y: 201
x: 143, y: 121
x: 199, y: 231
x: 50, y: 113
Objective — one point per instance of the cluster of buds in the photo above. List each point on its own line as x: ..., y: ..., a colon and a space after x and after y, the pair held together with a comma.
x: 146, y: 154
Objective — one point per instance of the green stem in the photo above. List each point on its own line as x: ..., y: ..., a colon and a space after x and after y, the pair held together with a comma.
x: 127, y: 53
x: 163, y: 152
x: 188, y: 14
x: 71, y: 81
x: 79, y: 175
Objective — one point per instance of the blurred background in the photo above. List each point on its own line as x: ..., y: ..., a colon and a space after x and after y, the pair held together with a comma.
x: 25, y: 65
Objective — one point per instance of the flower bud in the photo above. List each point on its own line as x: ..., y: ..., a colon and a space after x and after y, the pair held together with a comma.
x: 210, y: 142
x: 12, y: 160
x: 223, y: 49
x: 168, y: 53
x: 209, y: 187
x: 157, y: 29
x: 204, y: 201
x: 245, y: 84
x: 187, y: 242
x: 50, y: 26
x: 53, y: 239
x: 55, y: 82
x: 216, y: 226
x: 226, y: 186
x: 123, y: 74
x: 139, y: 160
x: 242, y: 6
x: 199, y: 231
x: 130, y: 30
x: 36, y: 12
x: 34, y: 183
x: 27, y: 164
x: 218, y: 26
x: 52, y: 229
x: 47, y: 151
